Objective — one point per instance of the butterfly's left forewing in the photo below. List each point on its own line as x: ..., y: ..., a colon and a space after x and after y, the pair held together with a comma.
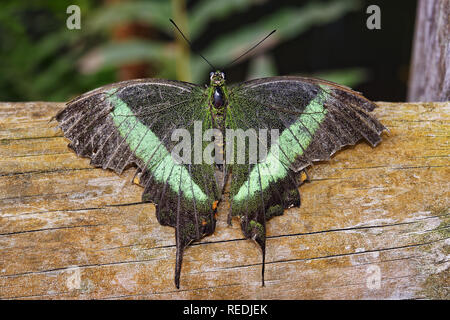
x: 132, y: 123
x: 313, y: 118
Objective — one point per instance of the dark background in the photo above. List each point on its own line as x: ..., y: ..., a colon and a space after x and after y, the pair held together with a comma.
x: 40, y: 59
x: 348, y: 43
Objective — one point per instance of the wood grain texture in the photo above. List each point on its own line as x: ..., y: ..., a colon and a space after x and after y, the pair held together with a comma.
x: 68, y: 230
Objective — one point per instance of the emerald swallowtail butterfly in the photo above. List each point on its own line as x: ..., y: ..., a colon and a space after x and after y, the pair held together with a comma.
x: 131, y: 123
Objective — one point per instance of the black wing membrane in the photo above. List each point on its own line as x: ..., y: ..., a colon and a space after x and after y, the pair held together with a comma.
x: 314, y: 119
x: 130, y: 124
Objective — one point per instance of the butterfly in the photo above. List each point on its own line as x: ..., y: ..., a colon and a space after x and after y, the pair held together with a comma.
x: 131, y: 123
x: 225, y: 131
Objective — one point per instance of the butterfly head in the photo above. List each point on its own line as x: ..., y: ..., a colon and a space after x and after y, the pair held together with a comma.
x: 217, y: 78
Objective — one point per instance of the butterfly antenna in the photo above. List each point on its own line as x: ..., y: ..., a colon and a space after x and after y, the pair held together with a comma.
x: 232, y: 62
x: 190, y: 44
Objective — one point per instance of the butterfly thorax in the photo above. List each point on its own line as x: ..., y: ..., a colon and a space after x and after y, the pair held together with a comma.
x: 218, y: 101
x: 218, y: 98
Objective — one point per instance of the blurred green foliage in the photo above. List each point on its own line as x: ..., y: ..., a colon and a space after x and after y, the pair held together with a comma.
x: 41, y: 59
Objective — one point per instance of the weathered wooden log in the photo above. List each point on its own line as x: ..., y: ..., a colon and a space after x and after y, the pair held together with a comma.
x: 374, y: 223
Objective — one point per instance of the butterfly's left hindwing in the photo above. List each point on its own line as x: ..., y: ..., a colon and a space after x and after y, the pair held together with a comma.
x: 131, y: 123
x: 314, y: 119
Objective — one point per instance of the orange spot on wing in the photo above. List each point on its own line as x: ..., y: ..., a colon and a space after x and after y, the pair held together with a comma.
x: 303, y: 176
